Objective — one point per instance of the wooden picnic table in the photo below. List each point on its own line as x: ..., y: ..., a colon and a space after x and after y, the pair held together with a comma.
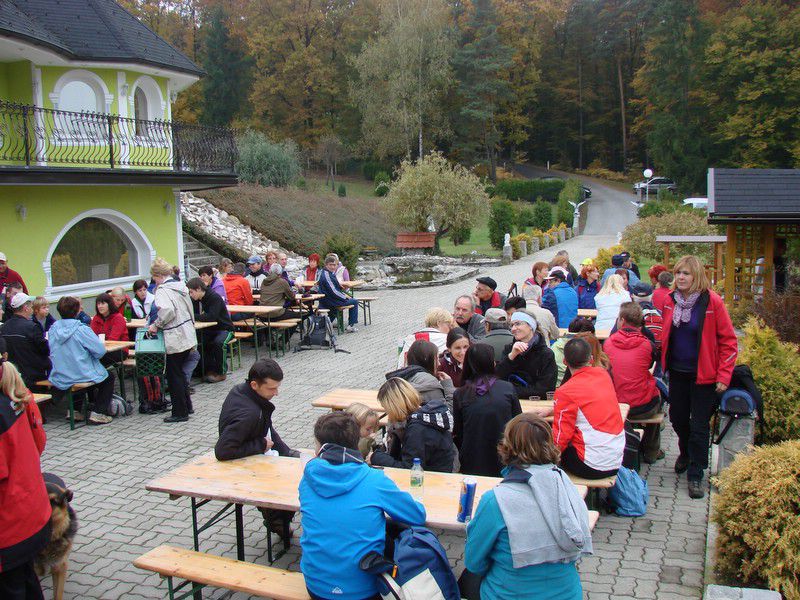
x: 138, y: 323
x: 112, y: 345
x: 39, y: 398
x: 588, y: 313
x: 600, y: 334
x: 258, y: 311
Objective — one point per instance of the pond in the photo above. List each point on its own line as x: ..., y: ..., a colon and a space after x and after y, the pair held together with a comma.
x: 415, y: 277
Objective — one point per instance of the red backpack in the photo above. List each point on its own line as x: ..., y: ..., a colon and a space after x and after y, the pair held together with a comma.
x: 654, y: 323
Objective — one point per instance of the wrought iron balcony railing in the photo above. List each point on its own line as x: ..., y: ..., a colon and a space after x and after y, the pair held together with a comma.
x: 42, y: 137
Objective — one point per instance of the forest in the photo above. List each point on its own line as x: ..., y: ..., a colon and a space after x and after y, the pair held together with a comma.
x: 605, y: 86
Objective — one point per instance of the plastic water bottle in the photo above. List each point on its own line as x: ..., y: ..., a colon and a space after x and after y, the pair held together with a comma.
x: 417, y: 480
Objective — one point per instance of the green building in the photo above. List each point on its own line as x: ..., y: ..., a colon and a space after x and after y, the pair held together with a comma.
x: 91, y: 162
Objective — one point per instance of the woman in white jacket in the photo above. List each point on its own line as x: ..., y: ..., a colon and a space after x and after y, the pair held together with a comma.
x: 175, y: 319
x: 142, y: 300
x: 608, y: 300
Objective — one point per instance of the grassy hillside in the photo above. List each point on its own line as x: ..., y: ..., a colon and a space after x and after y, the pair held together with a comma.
x: 301, y: 220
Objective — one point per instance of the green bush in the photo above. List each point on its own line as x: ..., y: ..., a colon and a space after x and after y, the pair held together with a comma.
x: 603, y: 259
x: 460, y: 235
x: 776, y: 370
x: 529, y: 189
x: 564, y: 212
x: 346, y: 247
x: 372, y: 167
x: 501, y: 222
x: 342, y: 191
x: 265, y: 162
x: 756, y: 512
x: 640, y: 238
x: 301, y: 184
x: 542, y: 215
x: 525, y: 218
x: 382, y: 182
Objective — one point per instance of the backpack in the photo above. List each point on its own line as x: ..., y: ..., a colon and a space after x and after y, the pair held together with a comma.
x: 119, y: 407
x: 741, y: 399
x: 151, y: 394
x: 653, y: 321
x: 629, y: 495
x: 420, y: 571
x: 318, y: 331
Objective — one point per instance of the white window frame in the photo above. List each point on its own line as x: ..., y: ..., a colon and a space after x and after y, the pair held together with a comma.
x: 126, y: 228
x: 79, y: 134
x: 156, y: 107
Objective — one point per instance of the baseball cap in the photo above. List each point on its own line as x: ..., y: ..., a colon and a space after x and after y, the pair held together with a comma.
x: 625, y: 255
x: 254, y: 259
x: 587, y: 262
x: 488, y: 282
x: 19, y: 299
x: 557, y: 273
x: 642, y: 290
x: 496, y: 315
x: 3, y: 257
x: 617, y: 260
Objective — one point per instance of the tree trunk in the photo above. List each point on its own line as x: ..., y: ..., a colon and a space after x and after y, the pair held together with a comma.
x: 622, y: 115
x: 580, y: 112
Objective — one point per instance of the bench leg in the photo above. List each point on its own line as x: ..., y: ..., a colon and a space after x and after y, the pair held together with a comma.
x: 196, y: 590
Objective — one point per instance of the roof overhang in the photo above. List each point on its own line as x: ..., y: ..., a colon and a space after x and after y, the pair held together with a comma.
x: 182, y: 180
x: 762, y: 219
x: 18, y: 48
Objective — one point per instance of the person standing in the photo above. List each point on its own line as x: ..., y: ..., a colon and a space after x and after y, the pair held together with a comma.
x: 699, y: 349
x: 8, y: 276
x: 175, y: 319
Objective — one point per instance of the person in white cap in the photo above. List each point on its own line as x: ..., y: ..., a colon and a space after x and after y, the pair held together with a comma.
x: 9, y: 275
x: 27, y: 347
x: 498, y: 333
x: 528, y: 363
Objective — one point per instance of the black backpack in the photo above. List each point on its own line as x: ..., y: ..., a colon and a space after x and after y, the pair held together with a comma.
x: 742, y: 398
x: 318, y: 331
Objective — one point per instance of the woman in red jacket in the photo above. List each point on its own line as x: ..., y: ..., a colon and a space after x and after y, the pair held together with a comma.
x: 699, y: 349
x: 109, y: 321
x: 24, y: 504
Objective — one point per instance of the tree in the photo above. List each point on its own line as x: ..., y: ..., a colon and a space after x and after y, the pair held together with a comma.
x: 265, y: 162
x: 227, y: 83
x: 481, y: 64
x: 330, y: 151
x: 435, y: 191
x: 402, y: 76
x: 501, y: 222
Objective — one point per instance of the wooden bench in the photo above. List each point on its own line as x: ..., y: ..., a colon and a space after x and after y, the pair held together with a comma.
x: 221, y: 572
x: 70, y: 399
x: 594, y: 486
x: 654, y: 420
x: 340, y: 310
x: 365, y: 304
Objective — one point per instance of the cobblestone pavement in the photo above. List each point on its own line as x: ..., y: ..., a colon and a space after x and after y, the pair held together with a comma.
x: 657, y: 556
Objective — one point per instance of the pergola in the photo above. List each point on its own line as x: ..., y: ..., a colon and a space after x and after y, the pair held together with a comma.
x: 714, y: 270
x: 757, y: 206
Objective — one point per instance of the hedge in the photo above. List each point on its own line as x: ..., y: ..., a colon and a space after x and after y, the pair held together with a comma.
x: 529, y: 189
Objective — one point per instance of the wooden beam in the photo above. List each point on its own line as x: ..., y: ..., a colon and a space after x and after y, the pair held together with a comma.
x: 730, y: 267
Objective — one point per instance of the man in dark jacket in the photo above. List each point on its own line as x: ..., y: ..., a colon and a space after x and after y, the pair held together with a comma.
x: 27, y: 348
x: 245, y: 429
x: 528, y: 363
x: 334, y: 295
x: 209, y: 307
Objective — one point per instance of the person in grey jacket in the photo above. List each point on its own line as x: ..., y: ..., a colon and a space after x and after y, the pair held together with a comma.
x: 466, y: 318
x: 498, y: 332
x: 423, y: 374
x: 175, y: 318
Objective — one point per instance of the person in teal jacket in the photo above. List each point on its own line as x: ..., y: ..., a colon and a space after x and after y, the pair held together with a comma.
x: 530, y: 530
x: 75, y: 351
x: 343, y: 502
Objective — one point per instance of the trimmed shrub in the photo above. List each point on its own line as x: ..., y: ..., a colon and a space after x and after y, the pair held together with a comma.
x: 460, y: 235
x: 756, y: 511
x: 776, y: 370
x: 603, y: 259
x: 382, y: 182
x: 342, y: 191
x: 525, y: 218
x: 640, y: 238
x: 501, y: 222
x: 529, y: 189
x: 348, y: 249
x: 265, y: 162
x: 564, y: 212
x: 542, y: 215
x: 515, y: 248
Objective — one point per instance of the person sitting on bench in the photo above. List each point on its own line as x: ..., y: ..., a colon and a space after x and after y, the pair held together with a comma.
x: 334, y: 295
x: 245, y: 428
x: 587, y: 423
x: 276, y: 291
x: 344, y: 504
x: 209, y: 307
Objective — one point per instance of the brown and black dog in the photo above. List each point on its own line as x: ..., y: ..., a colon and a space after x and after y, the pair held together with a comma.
x: 63, y: 525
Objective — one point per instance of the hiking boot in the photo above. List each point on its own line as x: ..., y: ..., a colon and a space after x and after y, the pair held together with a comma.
x: 99, y: 419
x: 696, y: 489
x: 681, y: 464
x: 652, y: 459
x: 214, y: 378
x: 350, y: 329
x: 78, y: 416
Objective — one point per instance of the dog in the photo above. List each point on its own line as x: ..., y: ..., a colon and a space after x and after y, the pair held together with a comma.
x: 63, y: 527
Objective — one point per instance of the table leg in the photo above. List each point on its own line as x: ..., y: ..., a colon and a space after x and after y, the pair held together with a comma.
x: 239, y: 533
x: 201, y: 347
x: 255, y: 334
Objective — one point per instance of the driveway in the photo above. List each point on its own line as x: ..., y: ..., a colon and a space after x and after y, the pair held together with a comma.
x: 610, y: 210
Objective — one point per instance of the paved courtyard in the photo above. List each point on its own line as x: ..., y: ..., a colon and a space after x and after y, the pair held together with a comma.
x: 660, y: 555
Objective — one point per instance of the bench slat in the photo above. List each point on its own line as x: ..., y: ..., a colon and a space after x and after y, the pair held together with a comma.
x: 222, y: 572
x: 655, y: 420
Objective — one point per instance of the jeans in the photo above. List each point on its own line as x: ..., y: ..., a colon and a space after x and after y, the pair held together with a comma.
x: 190, y: 365
x: 690, y: 408
x: 651, y: 440
x: 572, y: 464
x: 353, y: 303
x: 176, y: 378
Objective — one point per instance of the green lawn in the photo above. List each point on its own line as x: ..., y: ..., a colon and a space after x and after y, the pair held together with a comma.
x: 356, y: 187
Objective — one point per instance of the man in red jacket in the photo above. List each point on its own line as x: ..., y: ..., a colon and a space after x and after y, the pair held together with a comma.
x: 9, y: 275
x: 587, y: 423
x: 632, y: 355
x: 24, y: 504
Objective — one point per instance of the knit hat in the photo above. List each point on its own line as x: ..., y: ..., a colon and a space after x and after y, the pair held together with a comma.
x: 525, y: 318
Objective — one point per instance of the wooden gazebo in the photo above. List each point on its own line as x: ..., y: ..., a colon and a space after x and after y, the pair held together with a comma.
x: 757, y: 206
x: 715, y: 269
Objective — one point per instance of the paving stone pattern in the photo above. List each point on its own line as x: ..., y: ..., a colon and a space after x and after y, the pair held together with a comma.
x: 660, y: 555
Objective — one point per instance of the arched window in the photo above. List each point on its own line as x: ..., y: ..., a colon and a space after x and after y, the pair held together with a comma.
x: 140, y: 111
x: 80, y: 91
x: 78, y: 96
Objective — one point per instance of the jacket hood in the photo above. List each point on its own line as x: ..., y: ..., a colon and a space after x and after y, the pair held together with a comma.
x: 270, y: 277
x: 405, y: 373
x: 627, y: 338
x: 62, y: 330
x: 435, y: 414
x: 336, y: 471
x: 175, y: 287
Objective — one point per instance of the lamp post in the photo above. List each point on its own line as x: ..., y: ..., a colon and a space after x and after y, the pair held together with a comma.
x: 648, y: 174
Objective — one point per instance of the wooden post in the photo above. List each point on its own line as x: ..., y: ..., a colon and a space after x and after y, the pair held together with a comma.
x: 768, y: 233
x: 730, y: 268
x: 666, y: 255
x: 718, y: 258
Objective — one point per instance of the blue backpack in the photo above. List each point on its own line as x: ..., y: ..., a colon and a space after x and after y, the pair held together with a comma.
x: 420, y: 570
x: 630, y: 494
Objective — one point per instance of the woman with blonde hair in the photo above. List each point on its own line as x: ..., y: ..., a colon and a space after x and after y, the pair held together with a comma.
x: 175, y: 318
x: 699, y: 349
x: 608, y: 300
x: 533, y: 286
x: 529, y: 531
x: 438, y: 323
x: 422, y: 431
x: 367, y: 420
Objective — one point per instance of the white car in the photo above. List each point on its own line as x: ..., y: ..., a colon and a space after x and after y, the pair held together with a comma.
x: 656, y: 183
x: 697, y: 203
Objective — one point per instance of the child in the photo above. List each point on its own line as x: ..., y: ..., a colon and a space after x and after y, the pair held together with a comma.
x: 367, y: 420
x: 41, y: 313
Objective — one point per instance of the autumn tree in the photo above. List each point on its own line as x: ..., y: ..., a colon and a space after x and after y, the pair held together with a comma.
x: 330, y: 151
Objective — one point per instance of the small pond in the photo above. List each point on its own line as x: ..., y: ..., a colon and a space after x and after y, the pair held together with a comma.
x: 417, y: 277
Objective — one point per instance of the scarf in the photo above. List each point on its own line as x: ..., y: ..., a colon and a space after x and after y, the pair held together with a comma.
x: 683, y: 308
x: 484, y: 384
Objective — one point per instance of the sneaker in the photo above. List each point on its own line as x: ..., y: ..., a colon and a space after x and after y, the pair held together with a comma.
x: 99, y: 419
x: 696, y: 489
x: 78, y: 416
x: 681, y: 464
x: 351, y: 329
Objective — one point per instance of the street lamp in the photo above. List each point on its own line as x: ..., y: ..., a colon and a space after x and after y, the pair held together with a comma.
x: 648, y: 174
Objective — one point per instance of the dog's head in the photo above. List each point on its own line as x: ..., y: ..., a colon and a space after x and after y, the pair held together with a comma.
x: 59, y: 496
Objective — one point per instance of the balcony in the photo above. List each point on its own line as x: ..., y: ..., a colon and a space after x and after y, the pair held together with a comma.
x: 45, y: 146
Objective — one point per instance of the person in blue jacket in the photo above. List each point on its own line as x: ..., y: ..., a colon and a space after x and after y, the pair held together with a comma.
x: 618, y: 262
x: 587, y: 286
x: 560, y: 298
x: 343, y: 502
x: 530, y: 530
x: 334, y: 295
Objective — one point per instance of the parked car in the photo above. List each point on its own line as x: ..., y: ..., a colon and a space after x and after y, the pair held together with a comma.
x: 697, y: 202
x: 587, y: 192
x: 656, y: 183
